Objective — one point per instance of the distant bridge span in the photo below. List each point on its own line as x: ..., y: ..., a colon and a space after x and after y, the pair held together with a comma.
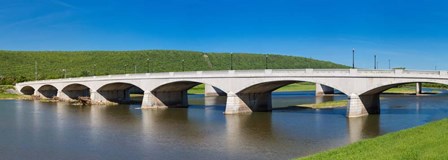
x: 246, y: 90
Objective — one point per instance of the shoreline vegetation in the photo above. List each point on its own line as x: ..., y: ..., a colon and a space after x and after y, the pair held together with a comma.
x: 428, y: 141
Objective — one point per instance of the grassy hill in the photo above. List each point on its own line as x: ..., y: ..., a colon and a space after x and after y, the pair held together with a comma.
x: 18, y: 66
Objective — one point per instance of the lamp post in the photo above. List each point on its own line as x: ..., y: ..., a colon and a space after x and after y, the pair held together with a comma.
x: 231, y: 60
x: 147, y: 64
x: 183, y: 65
x: 266, y: 61
x: 65, y: 73
x: 353, y: 58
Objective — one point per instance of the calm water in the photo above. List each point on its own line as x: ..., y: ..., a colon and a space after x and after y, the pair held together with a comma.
x: 34, y: 130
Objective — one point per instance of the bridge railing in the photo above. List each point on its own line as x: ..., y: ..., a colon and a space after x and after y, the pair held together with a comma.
x: 421, y: 72
x: 267, y: 72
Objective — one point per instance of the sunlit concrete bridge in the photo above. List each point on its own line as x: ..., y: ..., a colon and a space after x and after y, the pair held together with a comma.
x: 246, y: 90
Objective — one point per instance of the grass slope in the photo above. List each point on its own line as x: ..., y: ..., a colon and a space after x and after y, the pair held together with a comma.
x: 17, y: 66
x: 424, y: 142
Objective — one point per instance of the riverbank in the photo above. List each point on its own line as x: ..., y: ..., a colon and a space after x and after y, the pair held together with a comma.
x: 424, y: 142
x: 6, y: 94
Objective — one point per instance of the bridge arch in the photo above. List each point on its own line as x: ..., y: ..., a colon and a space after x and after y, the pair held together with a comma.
x: 378, y: 89
x: 115, y: 92
x: 258, y: 96
x: 48, y: 91
x: 171, y: 94
x: 27, y: 90
x: 74, y: 91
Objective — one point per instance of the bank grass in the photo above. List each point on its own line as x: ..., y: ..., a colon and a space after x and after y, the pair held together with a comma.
x: 429, y: 141
x: 199, y: 89
x: 330, y: 104
x: 297, y: 87
x: 5, y: 96
x: 407, y: 90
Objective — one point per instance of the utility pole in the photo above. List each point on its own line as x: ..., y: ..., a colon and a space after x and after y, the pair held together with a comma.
x: 353, y: 58
x: 135, y: 68
x: 35, y: 70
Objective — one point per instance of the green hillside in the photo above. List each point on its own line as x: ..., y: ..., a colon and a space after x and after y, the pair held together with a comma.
x: 18, y: 66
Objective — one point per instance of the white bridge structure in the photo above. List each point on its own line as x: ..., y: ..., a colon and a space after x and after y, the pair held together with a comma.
x: 246, y: 90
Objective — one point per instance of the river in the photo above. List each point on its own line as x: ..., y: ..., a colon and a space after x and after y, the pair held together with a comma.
x: 35, y: 130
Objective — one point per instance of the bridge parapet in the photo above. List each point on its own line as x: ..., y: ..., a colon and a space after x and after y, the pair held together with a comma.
x: 260, y: 73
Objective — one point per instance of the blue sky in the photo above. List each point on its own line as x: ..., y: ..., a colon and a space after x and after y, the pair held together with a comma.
x: 411, y: 33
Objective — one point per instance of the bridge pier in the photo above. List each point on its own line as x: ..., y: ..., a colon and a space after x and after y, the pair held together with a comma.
x: 418, y: 89
x: 154, y: 100
x: 210, y: 91
x: 363, y: 105
x: 235, y: 105
x: 323, y: 90
x: 63, y: 96
x: 97, y: 98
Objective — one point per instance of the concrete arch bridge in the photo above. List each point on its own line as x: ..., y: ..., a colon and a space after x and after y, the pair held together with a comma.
x: 246, y: 90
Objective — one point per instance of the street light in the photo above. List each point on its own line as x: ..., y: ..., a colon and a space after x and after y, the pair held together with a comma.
x: 65, y: 73
x: 266, y: 61
x: 183, y: 65
x: 353, y: 58
x: 147, y: 64
x: 231, y: 60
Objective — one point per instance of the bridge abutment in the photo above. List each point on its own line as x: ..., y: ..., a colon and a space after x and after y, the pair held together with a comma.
x: 363, y: 105
x: 323, y: 90
x: 154, y: 100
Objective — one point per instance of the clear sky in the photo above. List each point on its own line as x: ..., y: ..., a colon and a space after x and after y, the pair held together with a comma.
x: 411, y: 33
